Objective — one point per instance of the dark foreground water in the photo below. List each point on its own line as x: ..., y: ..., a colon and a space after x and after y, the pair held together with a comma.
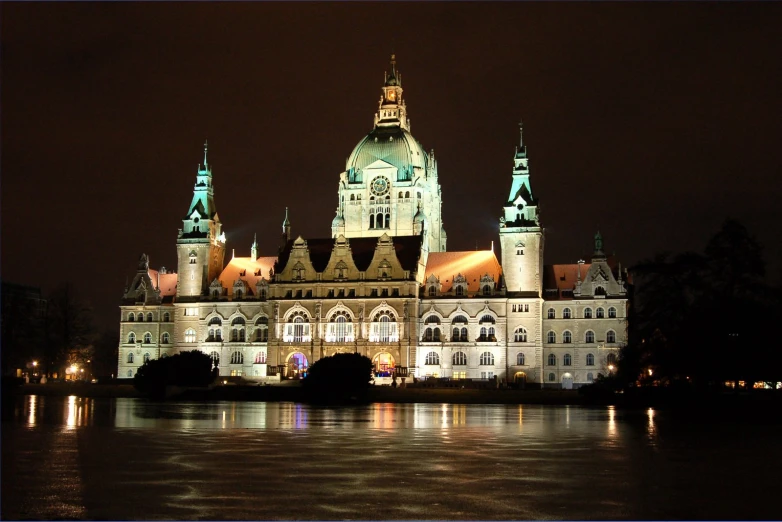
x: 120, y: 459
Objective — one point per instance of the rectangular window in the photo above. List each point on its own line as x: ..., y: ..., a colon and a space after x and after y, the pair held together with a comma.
x: 236, y: 373
x: 191, y: 312
x: 483, y: 375
x: 491, y: 375
x: 459, y: 375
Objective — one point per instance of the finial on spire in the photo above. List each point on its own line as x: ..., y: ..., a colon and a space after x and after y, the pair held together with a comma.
x: 205, y: 149
x: 521, y: 134
x: 598, y: 243
x: 286, y: 226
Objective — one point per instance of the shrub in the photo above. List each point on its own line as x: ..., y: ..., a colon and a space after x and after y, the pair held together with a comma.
x: 183, y: 369
x: 343, y: 377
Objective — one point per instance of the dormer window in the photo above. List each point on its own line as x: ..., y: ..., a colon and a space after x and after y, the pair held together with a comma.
x: 193, y: 257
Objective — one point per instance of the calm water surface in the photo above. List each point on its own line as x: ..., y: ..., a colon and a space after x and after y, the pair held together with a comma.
x: 118, y: 459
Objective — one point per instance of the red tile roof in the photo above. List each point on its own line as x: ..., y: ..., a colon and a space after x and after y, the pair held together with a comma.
x: 471, y: 264
x: 246, y: 269
x: 166, y: 284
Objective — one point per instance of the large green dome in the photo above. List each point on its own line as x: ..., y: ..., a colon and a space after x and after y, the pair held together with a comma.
x: 393, y: 145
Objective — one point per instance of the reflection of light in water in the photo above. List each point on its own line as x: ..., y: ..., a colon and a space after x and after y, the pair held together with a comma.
x: 611, y: 422
x: 223, y: 425
x: 567, y: 416
x: 521, y: 416
x: 444, y: 418
x: 31, y: 417
x: 301, y: 417
x: 651, y: 430
x: 459, y: 414
x: 71, y: 421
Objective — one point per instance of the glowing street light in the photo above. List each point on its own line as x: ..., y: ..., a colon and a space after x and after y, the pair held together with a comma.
x: 650, y: 372
x: 610, y: 367
x: 35, y: 363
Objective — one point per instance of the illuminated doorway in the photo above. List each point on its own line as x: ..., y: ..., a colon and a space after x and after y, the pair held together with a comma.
x: 384, y: 363
x: 567, y: 382
x: 297, y: 366
x: 520, y: 378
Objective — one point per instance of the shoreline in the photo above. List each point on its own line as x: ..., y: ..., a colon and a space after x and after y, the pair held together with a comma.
x: 768, y: 404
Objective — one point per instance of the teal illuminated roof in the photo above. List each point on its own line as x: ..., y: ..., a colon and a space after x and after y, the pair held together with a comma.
x: 392, y: 145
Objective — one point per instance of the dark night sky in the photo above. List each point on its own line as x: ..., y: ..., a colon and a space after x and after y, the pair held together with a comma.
x: 652, y: 121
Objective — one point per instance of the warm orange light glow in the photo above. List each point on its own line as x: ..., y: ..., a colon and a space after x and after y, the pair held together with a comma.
x: 35, y: 363
x: 650, y: 371
x: 611, y: 367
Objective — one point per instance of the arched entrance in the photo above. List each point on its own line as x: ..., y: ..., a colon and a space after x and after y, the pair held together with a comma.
x: 567, y: 381
x: 520, y: 378
x: 297, y: 365
x: 384, y: 369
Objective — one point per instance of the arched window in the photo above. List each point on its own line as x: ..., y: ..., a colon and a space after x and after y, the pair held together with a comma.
x: 239, y: 294
x: 432, y: 291
x: 612, y: 312
x: 487, y: 319
x: 611, y: 358
x: 567, y: 337
x: 590, y: 378
x: 130, y: 357
x: 238, y: 321
x: 520, y: 359
x: 237, y: 358
x: 552, y: 377
x: 432, y: 358
x: 190, y: 335
x: 432, y: 319
x: 459, y: 359
x: 520, y: 335
x: 486, y: 290
x: 599, y: 313
x: 166, y: 317
x: 487, y: 359
x: 298, y: 329
x: 262, y: 329
x: 587, y: 313
x: 407, y: 194
x: 567, y: 360
x: 590, y: 360
x: 459, y: 290
x: 610, y: 336
x: 149, y: 317
x: 141, y: 317
x: 428, y: 334
x: 551, y: 313
x: 566, y: 313
x: 589, y: 337
x: 600, y: 290
x: 131, y: 337
x: 352, y: 197
x: 165, y: 338
x: 260, y: 358
x: 215, y: 358
x: 455, y: 335
x: 130, y: 373
x: 483, y: 334
x: 384, y: 327
x: 146, y: 357
x: 147, y: 338
x: 242, y: 335
x: 371, y: 221
x: 436, y: 336
x: 552, y: 359
x: 551, y: 337
x: 216, y: 321
x: 131, y: 317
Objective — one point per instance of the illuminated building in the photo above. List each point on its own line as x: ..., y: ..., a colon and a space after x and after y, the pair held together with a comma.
x: 382, y: 285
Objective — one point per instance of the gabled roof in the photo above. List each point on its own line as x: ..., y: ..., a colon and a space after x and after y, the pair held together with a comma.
x: 245, y: 268
x: 472, y: 264
x: 408, y: 249
x: 564, y: 277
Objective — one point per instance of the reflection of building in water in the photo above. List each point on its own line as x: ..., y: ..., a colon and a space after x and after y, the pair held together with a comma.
x: 383, y: 283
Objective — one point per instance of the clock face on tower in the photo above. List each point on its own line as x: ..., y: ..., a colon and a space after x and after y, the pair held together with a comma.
x: 380, y: 186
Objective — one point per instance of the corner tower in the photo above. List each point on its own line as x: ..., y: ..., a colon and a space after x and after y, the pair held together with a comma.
x: 521, y: 236
x: 390, y: 184
x: 201, y: 241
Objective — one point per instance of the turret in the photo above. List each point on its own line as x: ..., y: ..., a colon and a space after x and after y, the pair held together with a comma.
x: 286, y: 227
x: 201, y: 241
x: 521, y: 236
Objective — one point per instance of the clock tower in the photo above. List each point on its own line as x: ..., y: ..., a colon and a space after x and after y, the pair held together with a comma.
x: 390, y: 184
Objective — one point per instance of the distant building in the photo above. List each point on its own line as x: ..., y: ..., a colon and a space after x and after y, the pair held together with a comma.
x: 382, y: 285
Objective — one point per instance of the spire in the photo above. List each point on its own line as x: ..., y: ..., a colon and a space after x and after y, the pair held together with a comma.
x: 598, y: 244
x: 286, y: 226
x: 205, y: 149
x: 254, y: 248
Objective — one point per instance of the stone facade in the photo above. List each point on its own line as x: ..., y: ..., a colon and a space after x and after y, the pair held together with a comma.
x: 382, y: 285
